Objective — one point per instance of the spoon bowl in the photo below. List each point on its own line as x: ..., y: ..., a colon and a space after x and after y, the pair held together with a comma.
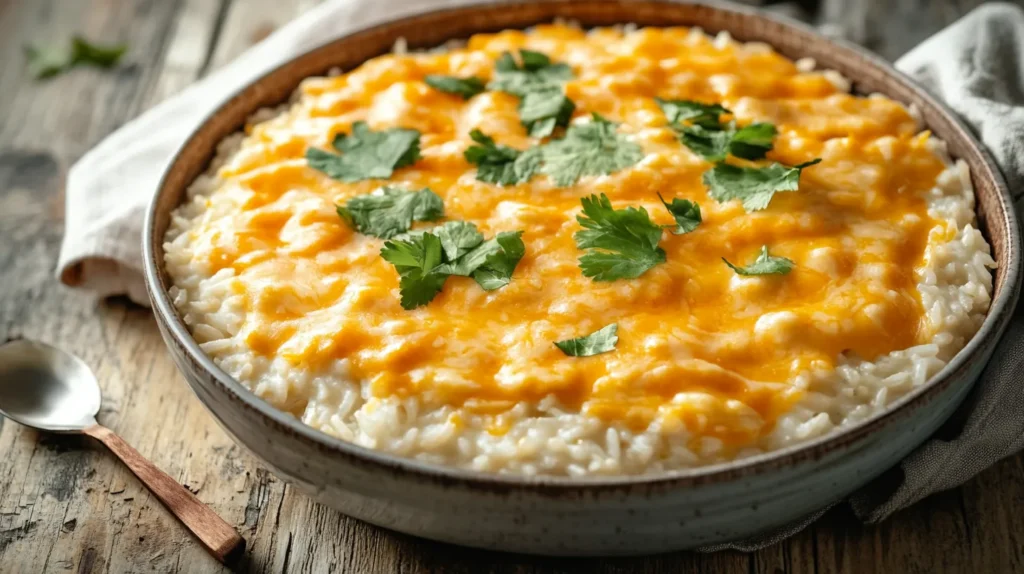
x: 45, y: 388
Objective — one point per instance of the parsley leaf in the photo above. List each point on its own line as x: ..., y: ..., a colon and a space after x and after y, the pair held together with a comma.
x: 458, y: 237
x: 501, y: 164
x: 698, y: 114
x: 755, y: 186
x: 588, y: 149
x: 44, y: 62
x: 600, y: 341
x: 415, y: 259
x: 367, y: 154
x: 685, y: 212
x: 537, y: 73
x: 391, y: 211
x: 541, y: 111
x: 623, y: 242
x: 464, y: 87
x: 765, y: 264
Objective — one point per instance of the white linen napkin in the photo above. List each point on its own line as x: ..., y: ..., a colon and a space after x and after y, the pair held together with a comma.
x: 976, y: 66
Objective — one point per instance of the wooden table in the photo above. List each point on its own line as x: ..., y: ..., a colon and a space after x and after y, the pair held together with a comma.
x: 66, y: 504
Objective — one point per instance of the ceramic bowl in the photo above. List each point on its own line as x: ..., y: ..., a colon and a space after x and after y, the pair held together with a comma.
x: 557, y: 515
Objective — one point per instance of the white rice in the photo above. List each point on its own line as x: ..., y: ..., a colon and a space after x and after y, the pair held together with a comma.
x: 954, y: 284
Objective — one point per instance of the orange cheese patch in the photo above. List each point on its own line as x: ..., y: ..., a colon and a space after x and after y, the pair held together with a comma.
x: 699, y: 345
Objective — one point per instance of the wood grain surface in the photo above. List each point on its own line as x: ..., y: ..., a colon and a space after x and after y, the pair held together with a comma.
x: 66, y: 504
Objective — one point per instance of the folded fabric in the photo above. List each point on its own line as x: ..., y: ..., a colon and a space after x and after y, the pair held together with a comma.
x: 975, y: 65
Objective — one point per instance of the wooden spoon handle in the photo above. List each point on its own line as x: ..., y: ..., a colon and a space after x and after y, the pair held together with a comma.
x: 219, y: 538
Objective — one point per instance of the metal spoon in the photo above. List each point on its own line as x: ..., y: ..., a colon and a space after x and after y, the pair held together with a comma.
x: 47, y: 389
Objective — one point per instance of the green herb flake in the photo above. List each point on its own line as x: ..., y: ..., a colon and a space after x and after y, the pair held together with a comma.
x: 48, y: 61
x: 622, y: 243
x: 458, y: 238
x: 536, y: 73
x: 698, y: 114
x: 601, y: 341
x: 765, y: 264
x: 542, y: 111
x: 592, y: 148
x: 425, y: 259
x: 754, y: 186
x: 499, y: 164
x: 685, y: 212
x: 415, y: 259
x: 391, y: 211
x: 465, y: 88
x: 753, y: 141
x: 366, y: 154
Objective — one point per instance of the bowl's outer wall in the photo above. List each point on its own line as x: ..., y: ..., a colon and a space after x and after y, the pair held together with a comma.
x: 678, y: 511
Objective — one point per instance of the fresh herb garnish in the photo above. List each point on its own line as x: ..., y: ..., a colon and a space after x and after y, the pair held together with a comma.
x: 698, y: 114
x: 536, y: 74
x: 391, y: 211
x: 491, y: 262
x: 47, y: 61
x: 707, y: 136
x: 753, y: 141
x: 463, y: 87
x: 600, y: 341
x: 754, y: 186
x: 501, y: 164
x: 765, y: 264
x: 623, y: 243
x: 593, y: 148
x: 425, y: 259
x: 685, y: 212
x: 366, y: 154
x: 541, y: 111
x: 415, y: 259
x: 539, y: 85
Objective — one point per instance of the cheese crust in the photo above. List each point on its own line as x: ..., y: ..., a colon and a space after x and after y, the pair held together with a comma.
x: 890, y: 280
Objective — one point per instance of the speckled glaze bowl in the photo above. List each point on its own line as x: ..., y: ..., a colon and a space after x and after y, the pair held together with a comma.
x: 604, y: 516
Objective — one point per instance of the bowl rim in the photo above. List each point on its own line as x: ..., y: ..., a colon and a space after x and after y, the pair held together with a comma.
x: 996, y: 319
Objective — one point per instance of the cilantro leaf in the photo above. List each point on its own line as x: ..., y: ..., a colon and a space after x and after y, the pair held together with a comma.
x: 458, y: 237
x: 710, y: 144
x: 501, y: 164
x: 623, y: 242
x: 537, y: 73
x: 415, y: 259
x: 765, y: 264
x: 496, y: 272
x: 754, y: 186
x: 698, y: 114
x: 685, y: 212
x: 391, y: 211
x: 47, y: 61
x: 588, y: 149
x: 753, y: 141
x: 367, y: 154
x: 463, y: 87
x: 600, y: 341
x: 541, y: 111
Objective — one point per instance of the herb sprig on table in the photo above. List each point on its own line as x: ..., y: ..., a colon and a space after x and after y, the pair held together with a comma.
x: 48, y: 61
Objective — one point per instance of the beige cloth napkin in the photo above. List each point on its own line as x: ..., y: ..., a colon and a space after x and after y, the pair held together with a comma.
x: 974, y: 65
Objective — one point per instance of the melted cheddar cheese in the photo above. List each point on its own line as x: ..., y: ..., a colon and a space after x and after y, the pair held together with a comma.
x: 699, y: 345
